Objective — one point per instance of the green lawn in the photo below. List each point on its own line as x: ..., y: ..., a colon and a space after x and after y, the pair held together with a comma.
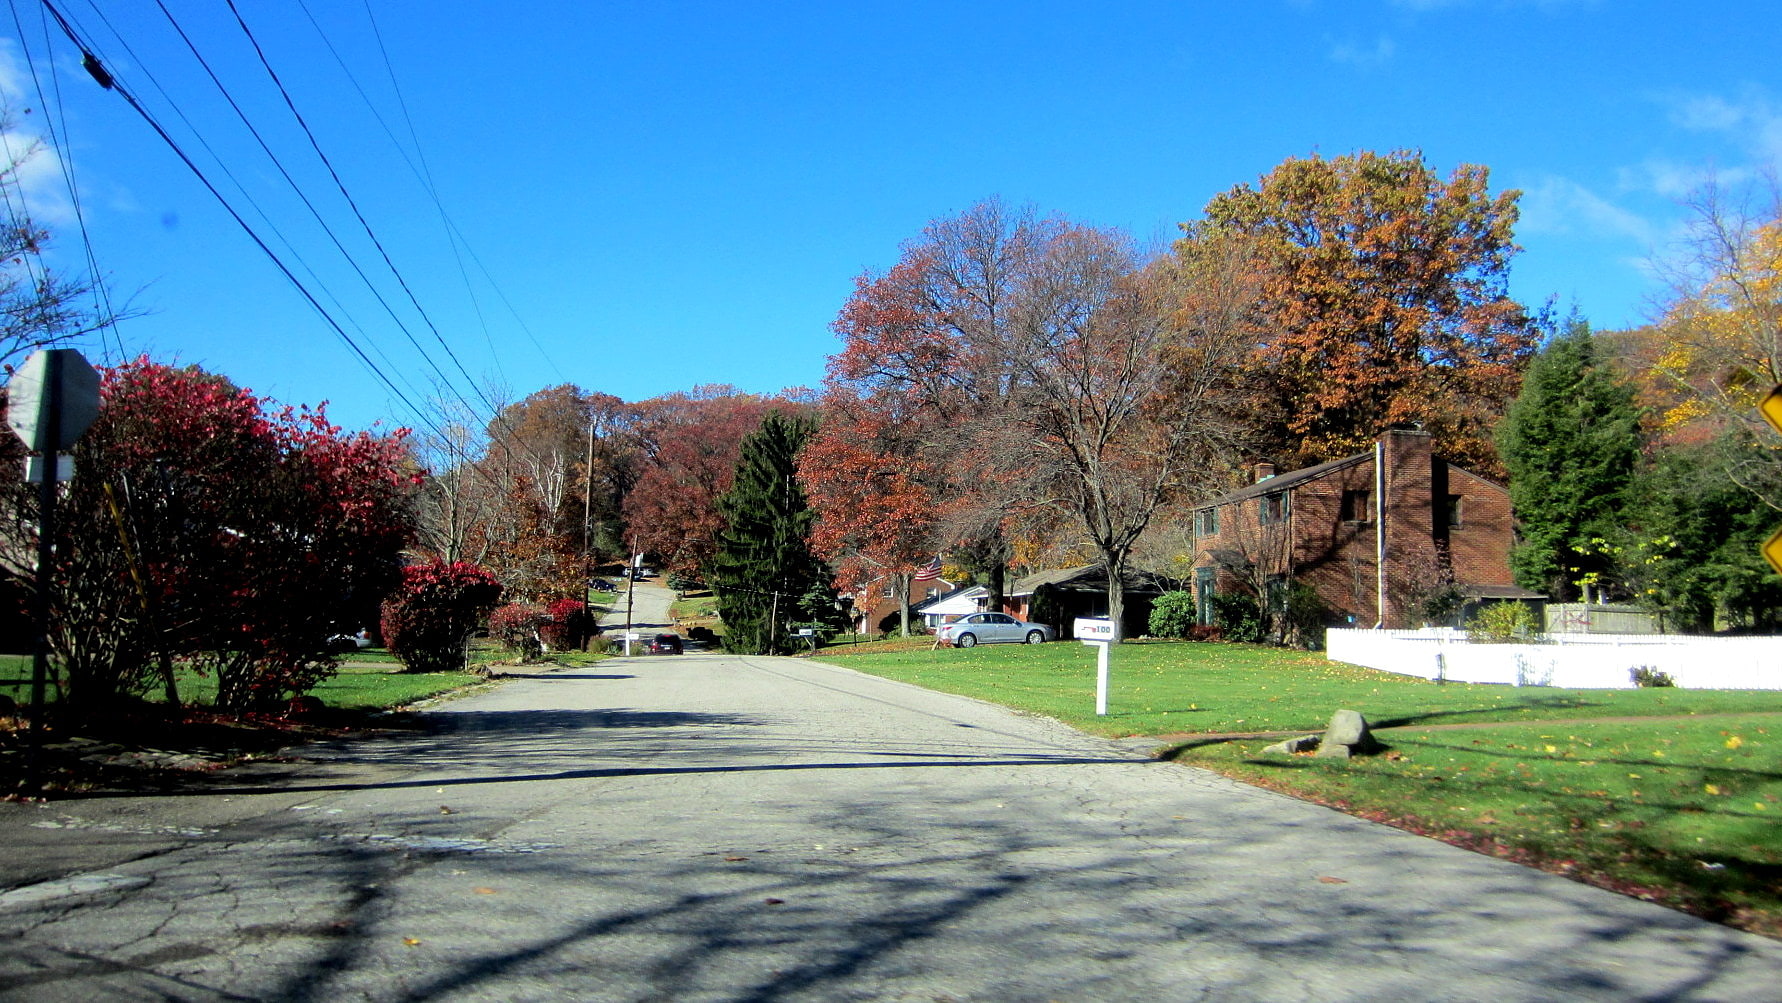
x: 695, y: 606
x: 356, y: 686
x: 367, y: 680
x: 1675, y: 795
x: 1171, y: 687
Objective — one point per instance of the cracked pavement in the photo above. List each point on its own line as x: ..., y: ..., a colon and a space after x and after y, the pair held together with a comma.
x: 707, y: 827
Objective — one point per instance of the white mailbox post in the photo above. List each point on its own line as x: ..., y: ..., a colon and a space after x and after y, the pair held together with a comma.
x: 1098, y: 633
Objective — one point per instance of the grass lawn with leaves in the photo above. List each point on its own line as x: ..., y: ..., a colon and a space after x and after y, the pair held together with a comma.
x: 1670, y: 794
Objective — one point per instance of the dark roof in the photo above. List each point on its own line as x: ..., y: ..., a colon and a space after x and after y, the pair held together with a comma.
x: 1090, y: 577
x: 1294, y: 478
x: 1281, y: 482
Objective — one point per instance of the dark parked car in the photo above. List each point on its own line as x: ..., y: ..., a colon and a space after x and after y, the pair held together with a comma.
x: 665, y: 644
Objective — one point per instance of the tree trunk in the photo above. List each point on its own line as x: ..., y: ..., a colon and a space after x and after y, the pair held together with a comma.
x: 903, y: 604
x: 1116, y: 569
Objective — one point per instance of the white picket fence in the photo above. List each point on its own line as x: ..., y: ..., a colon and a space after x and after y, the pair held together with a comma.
x: 1582, y: 661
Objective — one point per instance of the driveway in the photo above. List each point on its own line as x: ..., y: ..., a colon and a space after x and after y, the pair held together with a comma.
x: 707, y: 827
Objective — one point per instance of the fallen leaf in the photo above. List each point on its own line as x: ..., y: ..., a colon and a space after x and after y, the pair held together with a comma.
x: 412, y: 941
x: 484, y: 891
x: 734, y: 860
x: 443, y: 810
x: 776, y: 901
x: 1711, y: 788
x: 1734, y: 742
x: 1328, y: 880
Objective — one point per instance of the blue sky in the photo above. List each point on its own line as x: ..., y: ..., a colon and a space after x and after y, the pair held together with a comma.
x: 651, y: 196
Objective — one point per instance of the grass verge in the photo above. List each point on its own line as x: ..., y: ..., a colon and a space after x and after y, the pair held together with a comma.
x: 1671, y: 795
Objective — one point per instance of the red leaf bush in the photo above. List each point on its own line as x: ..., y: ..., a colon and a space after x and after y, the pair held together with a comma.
x: 427, y: 624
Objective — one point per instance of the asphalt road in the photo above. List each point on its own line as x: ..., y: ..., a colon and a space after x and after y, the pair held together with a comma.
x: 705, y: 827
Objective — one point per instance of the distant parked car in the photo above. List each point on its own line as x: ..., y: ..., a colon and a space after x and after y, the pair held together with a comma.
x: 992, y: 628
x: 340, y: 644
x: 601, y: 585
x: 665, y: 644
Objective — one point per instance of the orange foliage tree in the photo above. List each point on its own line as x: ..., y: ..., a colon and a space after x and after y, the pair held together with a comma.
x: 689, y: 444
x: 1384, y: 299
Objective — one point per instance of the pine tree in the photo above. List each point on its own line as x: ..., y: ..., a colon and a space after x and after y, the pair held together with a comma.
x: 1571, y: 445
x: 768, y: 580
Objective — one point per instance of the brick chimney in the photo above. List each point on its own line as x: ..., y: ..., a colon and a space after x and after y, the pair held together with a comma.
x: 1264, y: 471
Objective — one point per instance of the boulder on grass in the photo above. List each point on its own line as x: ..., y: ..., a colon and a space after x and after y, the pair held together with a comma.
x: 1348, y: 735
x: 1294, y: 746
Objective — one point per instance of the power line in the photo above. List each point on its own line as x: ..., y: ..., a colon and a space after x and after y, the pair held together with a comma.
x: 300, y: 193
x: 104, y: 78
x: 105, y: 318
x: 360, y: 216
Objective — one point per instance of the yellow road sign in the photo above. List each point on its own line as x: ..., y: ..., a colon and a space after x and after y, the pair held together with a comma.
x: 1772, y: 549
x: 1771, y: 408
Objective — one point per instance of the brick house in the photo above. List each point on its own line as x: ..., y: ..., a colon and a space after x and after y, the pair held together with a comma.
x: 1321, y: 526
x: 875, y: 607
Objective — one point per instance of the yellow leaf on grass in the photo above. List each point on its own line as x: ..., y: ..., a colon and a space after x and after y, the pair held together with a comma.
x: 411, y: 941
x: 1711, y: 788
x: 1734, y: 742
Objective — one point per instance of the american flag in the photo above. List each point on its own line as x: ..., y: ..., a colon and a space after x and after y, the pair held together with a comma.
x: 929, y: 572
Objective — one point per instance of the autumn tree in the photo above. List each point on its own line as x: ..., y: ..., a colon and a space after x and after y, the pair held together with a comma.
x: 1571, y: 442
x: 765, y: 573
x: 1385, y: 299
x: 688, y: 447
x: 1062, y: 374
x: 875, y: 499
x: 1720, y: 334
x: 210, y: 527
x: 916, y: 343
x: 535, y: 493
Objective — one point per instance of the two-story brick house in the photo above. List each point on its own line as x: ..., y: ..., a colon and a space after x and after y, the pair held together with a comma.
x: 1322, y: 526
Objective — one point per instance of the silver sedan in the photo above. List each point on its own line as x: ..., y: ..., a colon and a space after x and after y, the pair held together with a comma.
x: 992, y: 628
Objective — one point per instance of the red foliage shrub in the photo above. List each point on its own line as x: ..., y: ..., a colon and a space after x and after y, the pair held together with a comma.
x: 517, y: 627
x: 566, y: 625
x: 428, y: 622
x: 1205, y: 632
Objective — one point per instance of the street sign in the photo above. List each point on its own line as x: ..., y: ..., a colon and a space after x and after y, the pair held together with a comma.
x: 1772, y: 549
x: 55, y: 388
x: 1771, y: 408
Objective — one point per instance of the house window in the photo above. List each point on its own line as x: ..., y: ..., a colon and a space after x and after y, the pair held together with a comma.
x: 1206, y: 522
x: 1203, y: 594
x: 1453, y: 509
x: 1274, y: 508
x: 1354, y: 508
x: 1276, y: 590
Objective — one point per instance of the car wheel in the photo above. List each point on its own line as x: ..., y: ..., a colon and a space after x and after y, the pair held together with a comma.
x: 1035, y: 637
x: 966, y: 640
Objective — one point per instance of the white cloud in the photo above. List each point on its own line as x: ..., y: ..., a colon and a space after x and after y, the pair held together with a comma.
x: 1362, y: 55
x: 1562, y: 207
x: 38, y: 172
x: 1752, y: 120
x: 1673, y: 180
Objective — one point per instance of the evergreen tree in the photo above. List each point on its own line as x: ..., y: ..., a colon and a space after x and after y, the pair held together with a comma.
x: 1695, y: 553
x: 768, y: 580
x: 1571, y: 444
